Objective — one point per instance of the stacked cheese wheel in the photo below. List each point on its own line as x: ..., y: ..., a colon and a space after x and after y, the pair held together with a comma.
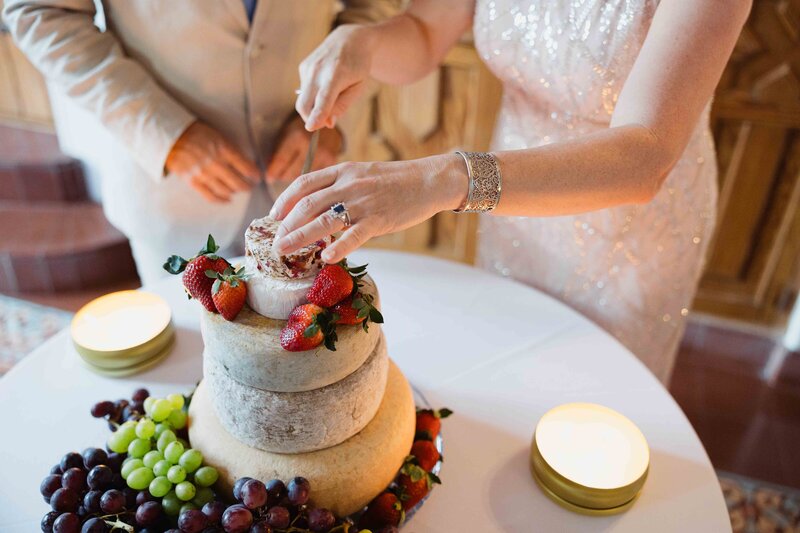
x: 325, y: 415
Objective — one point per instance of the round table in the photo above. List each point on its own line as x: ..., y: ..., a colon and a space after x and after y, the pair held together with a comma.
x: 498, y: 353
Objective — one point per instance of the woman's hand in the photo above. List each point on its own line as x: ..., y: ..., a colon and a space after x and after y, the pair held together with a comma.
x: 211, y: 165
x: 290, y: 153
x: 334, y: 75
x: 380, y: 198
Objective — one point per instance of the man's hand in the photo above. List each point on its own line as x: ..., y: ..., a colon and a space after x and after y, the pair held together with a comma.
x: 211, y: 165
x: 287, y: 161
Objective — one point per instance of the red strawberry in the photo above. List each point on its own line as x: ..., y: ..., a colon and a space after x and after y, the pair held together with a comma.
x: 332, y: 285
x: 426, y: 454
x: 415, y: 483
x: 347, y: 314
x: 195, y: 281
x: 229, y: 292
x: 429, y: 422
x: 384, y: 510
x: 309, y: 326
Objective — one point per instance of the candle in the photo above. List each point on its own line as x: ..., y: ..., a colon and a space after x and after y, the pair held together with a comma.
x: 123, y: 332
x: 589, y: 458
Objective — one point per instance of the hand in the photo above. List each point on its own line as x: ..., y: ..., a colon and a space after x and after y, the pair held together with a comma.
x: 334, y: 75
x: 211, y: 165
x: 380, y: 197
x: 290, y: 154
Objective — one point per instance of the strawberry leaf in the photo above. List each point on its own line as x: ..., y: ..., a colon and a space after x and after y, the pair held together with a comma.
x: 216, y: 286
x: 444, y: 412
x: 213, y: 274
x: 175, y: 264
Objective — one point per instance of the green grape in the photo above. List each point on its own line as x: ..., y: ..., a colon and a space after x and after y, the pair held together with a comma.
x: 185, y: 491
x: 160, y: 427
x: 206, y: 476
x: 167, y: 436
x: 145, y: 428
x: 161, y: 410
x: 177, y: 419
x: 191, y: 460
x: 176, y: 474
x: 140, y: 478
x: 162, y: 467
x: 117, y: 442
x: 151, y: 458
x: 128, y: 424
x: 129, y: 466
x: 171, y: 504
x: 184, y: 442
x: 139, y: 447
x: 173, y: 452
x: 188, y: 506
x: 203, y: 496
x: 148, y: 405
x: 160, y: 486
x: 176, y: 400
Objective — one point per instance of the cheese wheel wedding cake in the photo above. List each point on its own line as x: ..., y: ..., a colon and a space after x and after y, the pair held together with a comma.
x: 300, y: 383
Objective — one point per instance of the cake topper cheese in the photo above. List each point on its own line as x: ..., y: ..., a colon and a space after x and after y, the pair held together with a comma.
x: 303, y: 263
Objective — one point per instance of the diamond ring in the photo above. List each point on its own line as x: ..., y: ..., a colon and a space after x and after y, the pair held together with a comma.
x: 338, y: 210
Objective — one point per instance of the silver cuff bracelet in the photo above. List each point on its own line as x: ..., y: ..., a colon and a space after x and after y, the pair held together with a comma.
x: 485, y: 182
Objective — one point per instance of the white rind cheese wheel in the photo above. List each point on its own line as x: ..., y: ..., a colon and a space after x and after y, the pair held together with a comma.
x: 274, y: 297
x: 303, y: 263
x: 343, y: 478
x: 249, y: 349
x: 295, y: 422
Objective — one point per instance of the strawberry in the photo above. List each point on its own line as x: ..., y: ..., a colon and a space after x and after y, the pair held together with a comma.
x: 425, y: 454
x: 429, y: 422
x: 384, y: 510
x: 195, y: 281
x: 348, y: 314
x: 228, y: 292
x: 332, y: 285
x: 309, y: 326
x: 414, y: 483
x: 357, y: 309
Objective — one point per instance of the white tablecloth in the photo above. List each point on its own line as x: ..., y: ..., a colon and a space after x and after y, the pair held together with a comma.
x: 498, y: 353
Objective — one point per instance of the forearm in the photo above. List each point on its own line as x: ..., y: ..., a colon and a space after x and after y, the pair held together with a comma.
x: 617, y: 166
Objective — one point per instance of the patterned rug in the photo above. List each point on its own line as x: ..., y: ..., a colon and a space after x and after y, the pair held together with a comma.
x: 754, y: 506
x: 759, y: 507
x: 24, y: 326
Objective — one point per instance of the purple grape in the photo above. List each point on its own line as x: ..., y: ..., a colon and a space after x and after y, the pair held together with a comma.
x: 148, y: 513
x: 144, y: 496
x: 237, y: 519
x: 254, y: 494
x: 320, y: 520
x: 100, y: 477
x: 114, y: 461
x: 261, y: 527
x: 74, y: 479
x: 65, y: 500
x: 213, y: 511
x: 121, y: 404
x: 48, y: 520
x: 56, y: 470
x: 67, y: 523
x: 101, y: 409
x: 71, y: 460
x: 192, y: 521
x: 130, y: 497
x: 118, y: 482
x: 237, y: 487
x: 278, y: 517
x: 93, y: 457
x: 140, y: 395
x: 112, y: 501
x: 298, y: 491
x: 91, y: 500
x: 277, y: 490
x: 49, y: 485
x: 94, y: 525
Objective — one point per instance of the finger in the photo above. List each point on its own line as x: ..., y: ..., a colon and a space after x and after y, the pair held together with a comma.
x: 319, y: 228
x: 199, y: 186
x: 323, y: 159
x: 283, y: 159
x: 350, y: 240
x: 246, y: 168
x: 345, y: 99
x: 217, y: 186
x: 294, y: 168
x: 306, y: 210
x: 308, y: 91
x: 225, y: 174
x: 323, y: 104
x: 301, y: 187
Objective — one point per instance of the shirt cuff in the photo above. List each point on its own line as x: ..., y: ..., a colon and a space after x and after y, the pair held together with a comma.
x: 157, y: 134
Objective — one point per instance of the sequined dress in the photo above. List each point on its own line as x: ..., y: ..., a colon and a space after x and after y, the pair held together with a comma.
x: 633, y: 270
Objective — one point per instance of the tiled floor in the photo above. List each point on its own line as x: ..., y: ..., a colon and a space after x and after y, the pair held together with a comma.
x: 747, y: 426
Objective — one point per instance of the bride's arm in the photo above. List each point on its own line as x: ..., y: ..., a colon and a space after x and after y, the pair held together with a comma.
x: 398, y: 50
x: 673, y: 78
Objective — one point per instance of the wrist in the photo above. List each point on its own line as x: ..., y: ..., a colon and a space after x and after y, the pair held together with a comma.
x: 448, y: 181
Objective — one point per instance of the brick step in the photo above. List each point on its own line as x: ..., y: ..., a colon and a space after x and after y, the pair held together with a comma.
x: 60, y: 247
x: 33, y: 169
